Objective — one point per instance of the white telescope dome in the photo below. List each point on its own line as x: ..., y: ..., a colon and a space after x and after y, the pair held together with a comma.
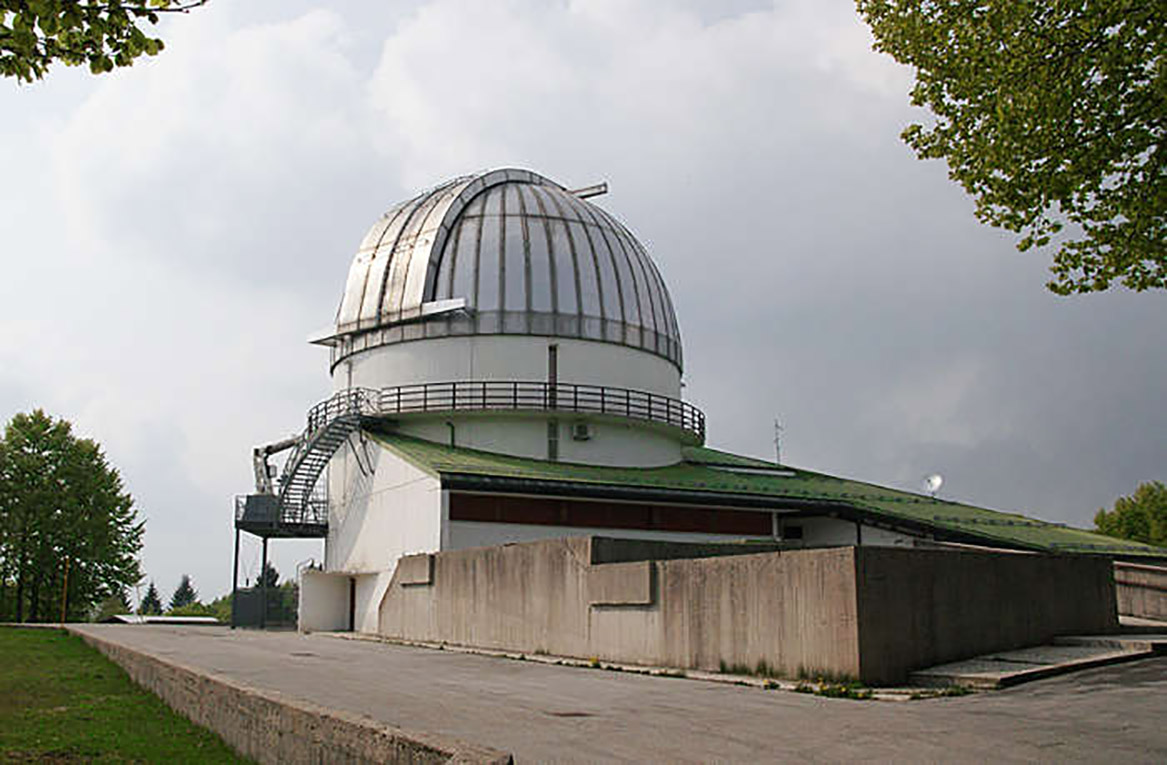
x: 507, y: 252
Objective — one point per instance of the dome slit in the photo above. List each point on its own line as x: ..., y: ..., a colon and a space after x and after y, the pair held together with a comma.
x: 489, y: 268
x: 611, y: 295
x: 565, y: 231
x: 542, y: 197
x: 635, y: 330
x: 525, y: 229
x: 370, y: 304
x: 394, y: 283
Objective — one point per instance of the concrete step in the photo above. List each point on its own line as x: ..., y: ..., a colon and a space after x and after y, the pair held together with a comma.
x: 1067, y: 654
x: 1138, y: 625
x: 1154, y: 643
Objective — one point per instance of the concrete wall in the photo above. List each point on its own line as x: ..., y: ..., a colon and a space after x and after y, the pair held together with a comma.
x: 375, y: 519
x: 368, y: 589
x: 324, y: 601
x: 919, y: 608
x: 271, y: 728
x: 874, y: 613
x: 1141, y: 590
x: 792, y: 610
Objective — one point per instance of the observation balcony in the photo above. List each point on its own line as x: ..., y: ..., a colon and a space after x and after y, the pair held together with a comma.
x: 297, y: 507
x: 544, y: 397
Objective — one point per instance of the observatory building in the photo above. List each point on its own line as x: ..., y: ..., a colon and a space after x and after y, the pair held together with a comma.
x: 507, y: 364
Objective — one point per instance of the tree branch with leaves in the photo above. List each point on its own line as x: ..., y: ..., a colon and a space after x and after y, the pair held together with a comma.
x: 102, y: 35
x: 1052, y: 116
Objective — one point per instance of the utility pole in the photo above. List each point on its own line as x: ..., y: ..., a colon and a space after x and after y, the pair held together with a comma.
x: 65, y: 591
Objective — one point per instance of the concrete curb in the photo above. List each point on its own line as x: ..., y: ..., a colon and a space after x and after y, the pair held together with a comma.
x: 272, y: 728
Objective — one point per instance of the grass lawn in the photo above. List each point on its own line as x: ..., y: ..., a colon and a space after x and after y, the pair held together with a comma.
x: 62, y: 701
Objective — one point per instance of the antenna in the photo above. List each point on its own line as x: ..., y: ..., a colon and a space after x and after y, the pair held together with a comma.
x: 778, y: 440
x: 932, y: 483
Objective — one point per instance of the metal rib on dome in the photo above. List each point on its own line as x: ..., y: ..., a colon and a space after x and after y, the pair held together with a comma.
x: 525, y: 255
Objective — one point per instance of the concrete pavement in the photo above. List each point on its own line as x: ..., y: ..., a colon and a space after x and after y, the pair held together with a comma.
x: 543, y: 712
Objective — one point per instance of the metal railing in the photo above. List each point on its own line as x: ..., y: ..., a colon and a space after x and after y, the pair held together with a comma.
x: 258, y: 511
x: 534, y: 396
x: 299, y: 503
x: 359, y: 402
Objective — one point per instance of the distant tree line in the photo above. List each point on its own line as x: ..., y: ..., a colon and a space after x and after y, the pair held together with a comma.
x: 1141, y: 516
x: 282, y: 601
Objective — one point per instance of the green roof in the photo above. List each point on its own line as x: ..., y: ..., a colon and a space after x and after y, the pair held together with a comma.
x: 712, y: 472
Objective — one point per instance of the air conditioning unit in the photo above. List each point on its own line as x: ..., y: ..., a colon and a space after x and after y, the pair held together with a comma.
x: 581, y: 431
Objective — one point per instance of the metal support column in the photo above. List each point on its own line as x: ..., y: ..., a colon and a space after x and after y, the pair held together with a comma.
x: 263, y: 588
x: 235, y: 583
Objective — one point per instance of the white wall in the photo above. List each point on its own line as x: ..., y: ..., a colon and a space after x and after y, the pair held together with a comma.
x: 375, y: 519
x: 613, y: 442
x: 883, y: 538
x: 508, y: 357
x: 464, y: 534
x: 827, y: 532
x: 369, y: 590
x: 323, y: 601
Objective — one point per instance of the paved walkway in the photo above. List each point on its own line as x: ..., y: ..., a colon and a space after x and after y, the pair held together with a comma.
x: 550, y: 713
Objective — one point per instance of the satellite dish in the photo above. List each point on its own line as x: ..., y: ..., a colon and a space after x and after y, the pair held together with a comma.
x: 932, y: 483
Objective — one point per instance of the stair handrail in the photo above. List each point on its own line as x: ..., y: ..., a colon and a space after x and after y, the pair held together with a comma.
x: 345, y: 408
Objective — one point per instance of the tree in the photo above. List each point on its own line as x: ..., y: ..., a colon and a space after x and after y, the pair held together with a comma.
x: 271, y: 577
x: 151, y: 604
x: 1141, y: 516
x: 69, y: 533
x: 194, y: 609
x: 184, y: 594
x: 100, y: 33
x: 1052, y: 115
x: 221, y: 608
x: 114, y: 605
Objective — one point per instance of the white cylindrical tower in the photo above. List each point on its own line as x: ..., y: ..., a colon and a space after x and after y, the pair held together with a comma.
x: 503, y: 312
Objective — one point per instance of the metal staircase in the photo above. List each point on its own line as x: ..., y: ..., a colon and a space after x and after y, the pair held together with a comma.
x: 297, y: 510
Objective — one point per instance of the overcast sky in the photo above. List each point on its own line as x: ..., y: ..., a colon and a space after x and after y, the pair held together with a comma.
x: 172, y: 232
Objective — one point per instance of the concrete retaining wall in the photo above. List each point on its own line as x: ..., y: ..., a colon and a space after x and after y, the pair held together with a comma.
x: 1141, y: 590
x: 272, y: 729
x: 872, y: 613
x: 919, y: 608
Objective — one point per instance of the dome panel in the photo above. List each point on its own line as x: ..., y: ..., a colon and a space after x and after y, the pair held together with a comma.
x: 524, y: 254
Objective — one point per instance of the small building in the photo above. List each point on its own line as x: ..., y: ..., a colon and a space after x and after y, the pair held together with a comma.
x: 507, y: 367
